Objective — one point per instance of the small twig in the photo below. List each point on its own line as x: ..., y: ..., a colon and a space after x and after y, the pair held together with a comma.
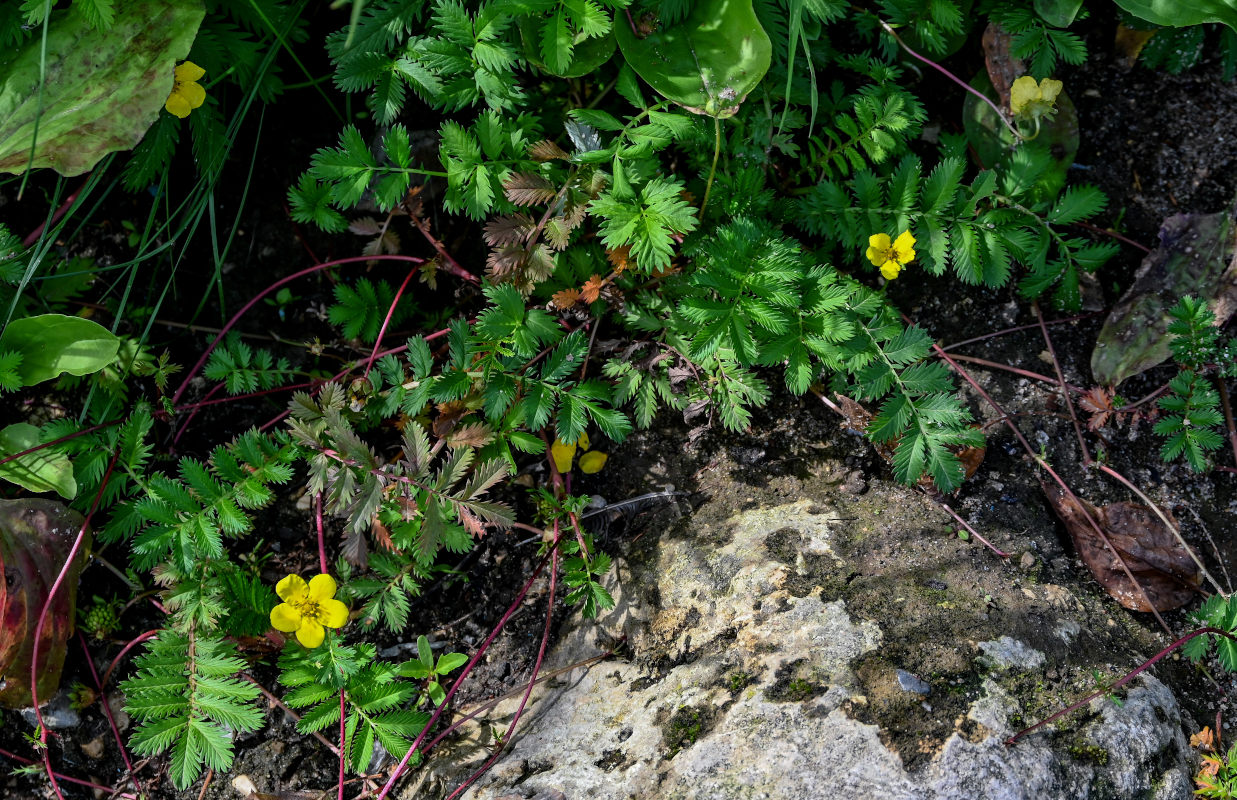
x: 210, y: 776
x: 288, y: 711
x: 1069, y: 403
x: 1227, y: 405
x: 532, y: 680
x: 450, y: 265
x: 1124, y: 680
x: 1015, y: 329
x: 111, y: 721
x: 972, y: 531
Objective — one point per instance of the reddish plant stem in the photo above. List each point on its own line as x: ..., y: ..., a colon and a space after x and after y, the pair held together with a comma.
x: 995, y: 334
x: 193, y: 373
x: 47, y: 604
x: 65, y: 438
x: 107, y: 676
x: 983, y: 362
x: 1095, y: 526
x: 322, y: 562
x: 34, y: 235
x: 972, y: 531
x: 233, y: 398
x: 449, y: 264
x: 1069, y: 403
x: 111, y: 720
x: 888, y: 29
x: 387, y: 321
x: 1227, y: 404
x: 532, y: 680
x: 210, y: 776
x: 1129, y: 676
x: 99, y: 787
x: 468, y: 668
x: 1119, y: 237
x: 1147, y: 399
x: 282, y: 705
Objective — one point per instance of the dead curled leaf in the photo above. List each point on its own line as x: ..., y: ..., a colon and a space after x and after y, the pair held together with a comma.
x: 1166, y: 572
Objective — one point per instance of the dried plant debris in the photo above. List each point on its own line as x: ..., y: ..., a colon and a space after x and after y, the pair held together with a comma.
x: 1167, y: 574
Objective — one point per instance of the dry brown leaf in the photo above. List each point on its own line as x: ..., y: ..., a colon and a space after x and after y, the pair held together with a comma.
x: 591, y: 289
x: 1166, y: 572
x: 566, y: 298
x: 382, y: 536
x: 1129, y: 43
x: 474, y: 434
x: 527, y: 189
x: 1098, y: 403
x: 449, y: 415
x: 545, y: 150
x: 471, y: 523
x: 620, y: 258
x: 1204, y: 739
x: 1003, y: 67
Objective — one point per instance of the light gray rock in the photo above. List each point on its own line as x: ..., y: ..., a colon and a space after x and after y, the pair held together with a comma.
x: 796, y: 651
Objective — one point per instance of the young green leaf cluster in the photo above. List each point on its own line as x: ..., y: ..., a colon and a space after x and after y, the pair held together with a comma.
x: 186, y: 698
x: 245, y: 369
x: 184, y: 695
x: 1193, y: 420
x: 1215, y: 612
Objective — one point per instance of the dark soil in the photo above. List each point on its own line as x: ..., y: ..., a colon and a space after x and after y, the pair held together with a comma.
x: 1156, y: 144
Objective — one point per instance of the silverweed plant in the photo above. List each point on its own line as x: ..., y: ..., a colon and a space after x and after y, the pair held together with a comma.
x: 636, y: 207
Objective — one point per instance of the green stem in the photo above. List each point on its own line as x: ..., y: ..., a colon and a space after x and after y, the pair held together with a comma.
x: 717, y: 149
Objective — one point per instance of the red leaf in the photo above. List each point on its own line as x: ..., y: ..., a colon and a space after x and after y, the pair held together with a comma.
x: 35, y: 539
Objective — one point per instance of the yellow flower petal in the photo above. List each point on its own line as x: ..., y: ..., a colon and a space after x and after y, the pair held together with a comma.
x: 1024, y: 90
x: 332, y: 613
x: 583, y: 441
x: 188, y: 71
x: 193, y: 93
x: 321, y: 587
x: 592, y: 462
x: 310, y: 633
x: 176, y: 104
x: 292, y: 589
x: 1049, y: 89
x: 878, y: 248
x: 904, y: 248
x: 285, y: 618
x: 562, y: 453
x: 890, y: 270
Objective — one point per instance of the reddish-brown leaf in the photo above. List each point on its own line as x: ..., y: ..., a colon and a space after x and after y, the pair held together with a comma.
x: 35, y: 539
x: 620, y: 258
x: 1098, y: 403
x: 449, y: 415
x: 505, y: 261
x: 1162, y: 567
x: 545, y: 150
x: 474, y: 434
x: 566, y: 298
x: 472, y: 524
x: 1003, y: 67
x: 508, y: 229
x: 591, y: 289
x: 527, y: 189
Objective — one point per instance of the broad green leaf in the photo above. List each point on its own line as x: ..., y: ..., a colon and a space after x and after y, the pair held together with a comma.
x: 103, y: 89
x: 53, y: 344
x: 1193, y: 258
x: 41, y: 471
x: 1180, y: 13
x: 1060, y: 13
x: 708, y: 63
x: 36, y: 537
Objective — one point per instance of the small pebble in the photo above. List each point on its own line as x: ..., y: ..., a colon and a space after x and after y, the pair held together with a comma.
x: 910, y: 683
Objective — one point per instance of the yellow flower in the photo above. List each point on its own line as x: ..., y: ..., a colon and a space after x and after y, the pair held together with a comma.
x: 307, y: 607
x: 186, y: 93
x: 592, y: 462
x: 1030, y: 100
x: 891, y: 256
x: 564, y: 453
